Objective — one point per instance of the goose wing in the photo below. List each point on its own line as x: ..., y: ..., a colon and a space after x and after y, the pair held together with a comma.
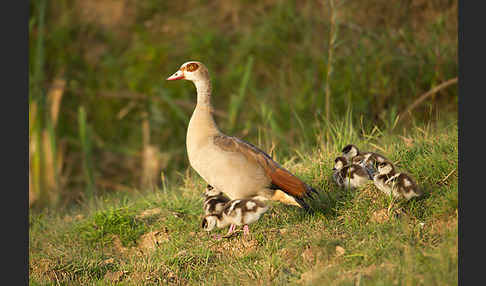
x: 281, y: 178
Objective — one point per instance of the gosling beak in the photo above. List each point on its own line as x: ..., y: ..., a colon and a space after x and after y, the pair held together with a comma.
x: 178, y: 75
x: 334, y: 169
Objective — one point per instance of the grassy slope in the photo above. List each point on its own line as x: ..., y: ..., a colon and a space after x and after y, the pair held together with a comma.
x: 354, y: 238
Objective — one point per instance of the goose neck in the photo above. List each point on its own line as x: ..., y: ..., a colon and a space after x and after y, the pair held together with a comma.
x: 203, y: 88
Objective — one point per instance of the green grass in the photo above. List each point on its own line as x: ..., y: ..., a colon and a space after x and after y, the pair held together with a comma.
x: 268, y: 62
x: 360, y: 237
x: 120, y: 222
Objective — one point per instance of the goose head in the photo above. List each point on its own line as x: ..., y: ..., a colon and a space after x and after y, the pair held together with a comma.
x: 193, y: 71
x: 349, y: 151
x: 339, y: 163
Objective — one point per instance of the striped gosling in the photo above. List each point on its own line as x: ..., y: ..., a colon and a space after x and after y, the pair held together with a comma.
x: 236, y: 213
x: 349, y: 175
x: 214, y: 200
x: 397, y: 184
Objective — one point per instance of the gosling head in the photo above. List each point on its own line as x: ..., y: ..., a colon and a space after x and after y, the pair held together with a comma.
x: 385, y: 168
x: 211, y: 191
x: 339, y: 163
x: 349, y: 151
x: 209, y: 222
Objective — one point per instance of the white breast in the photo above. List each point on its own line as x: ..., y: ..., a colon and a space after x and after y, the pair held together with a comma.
x: 230, y: 172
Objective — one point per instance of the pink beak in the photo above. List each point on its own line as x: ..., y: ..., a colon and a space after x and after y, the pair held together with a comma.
x: 178, y: 75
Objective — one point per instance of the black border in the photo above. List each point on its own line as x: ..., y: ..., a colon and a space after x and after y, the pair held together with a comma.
x: 471, y: 120
x: 14, y: 25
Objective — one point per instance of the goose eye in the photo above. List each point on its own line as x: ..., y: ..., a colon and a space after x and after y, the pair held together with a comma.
x: 192, y: 67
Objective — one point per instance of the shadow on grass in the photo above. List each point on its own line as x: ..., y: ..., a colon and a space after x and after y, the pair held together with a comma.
x: 327, y: 202
x: 334, y: 199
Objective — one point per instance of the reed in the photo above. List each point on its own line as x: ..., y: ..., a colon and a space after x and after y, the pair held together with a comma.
x: 45, y: 154
x: 87, y: 163
x: 35, y: 175
x: 36, y: 69
x: 151, y: 163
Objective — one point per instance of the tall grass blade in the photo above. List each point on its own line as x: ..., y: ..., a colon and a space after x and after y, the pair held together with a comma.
x: 49, y: 167
x: 35, y: 184
x: 235, y: 104
x: 86, y: 151
x: 341, y: 132
x: 37, y: 110
x: 302, y: 127
x: 333, y: 28
x: 38, y: 72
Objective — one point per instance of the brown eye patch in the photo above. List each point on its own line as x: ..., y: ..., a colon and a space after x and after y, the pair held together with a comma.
x: 192, y: 67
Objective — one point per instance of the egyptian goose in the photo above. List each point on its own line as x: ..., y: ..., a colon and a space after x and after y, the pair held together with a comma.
x: 236, y: 213
x: 368, y: 160
x: 397, y: 184
x: 349, y: 175
x: 214, y: 200
x: 237, y: 168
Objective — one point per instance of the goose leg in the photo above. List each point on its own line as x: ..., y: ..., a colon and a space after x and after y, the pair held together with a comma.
x: 231, y: 229
x: 246, y: 230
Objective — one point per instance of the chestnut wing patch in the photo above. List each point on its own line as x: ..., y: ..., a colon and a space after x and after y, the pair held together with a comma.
x: 281, y: 178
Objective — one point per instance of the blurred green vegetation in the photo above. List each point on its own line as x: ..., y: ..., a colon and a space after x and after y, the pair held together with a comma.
x: 117, y: 121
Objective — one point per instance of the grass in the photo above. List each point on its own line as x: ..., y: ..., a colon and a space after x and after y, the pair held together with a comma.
x: 268, y: 61
x: 273, y: 65
x: 86, y: 151
x: 120, y: 222
x: 360, y: 237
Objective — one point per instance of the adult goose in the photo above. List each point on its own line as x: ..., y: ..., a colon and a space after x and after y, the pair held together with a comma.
x: 237, y: 168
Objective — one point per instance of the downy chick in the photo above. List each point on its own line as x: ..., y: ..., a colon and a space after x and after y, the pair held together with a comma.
x: 214, y: 200
x: 349, y: 175
x: 399, y: 185
x: 236, y: 213
x: 368, y: 160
